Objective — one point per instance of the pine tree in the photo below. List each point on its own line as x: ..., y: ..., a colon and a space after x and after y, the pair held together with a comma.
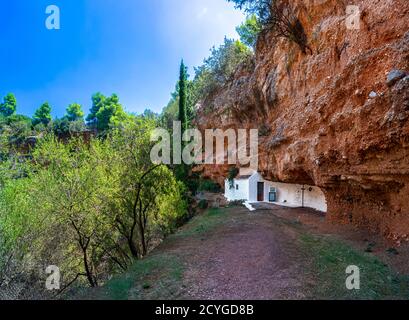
x: 9, y: 106
x: 42, y: 115
x: 98, y: 101
x: 74, y: 112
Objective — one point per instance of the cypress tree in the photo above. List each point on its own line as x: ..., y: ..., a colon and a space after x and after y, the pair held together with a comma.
x: 183, y: 96
x: 182, y: 171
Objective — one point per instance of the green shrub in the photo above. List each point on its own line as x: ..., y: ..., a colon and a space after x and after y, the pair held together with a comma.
x: 233, y: 172
x: 249, y: 30
x: 210, y: 186
x: 203, y: 204
x: 219, y: 68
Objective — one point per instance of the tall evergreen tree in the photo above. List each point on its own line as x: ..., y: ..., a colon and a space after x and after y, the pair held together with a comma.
x: 9, y: 106
x: 98, y: 100
x: 182, y: 171
x: 74, y: 112
x: 183, y: 87
x: 42, y: 115
x: 110, y: 112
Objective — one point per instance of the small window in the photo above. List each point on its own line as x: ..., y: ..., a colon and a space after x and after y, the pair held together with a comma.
x: 237, y: 187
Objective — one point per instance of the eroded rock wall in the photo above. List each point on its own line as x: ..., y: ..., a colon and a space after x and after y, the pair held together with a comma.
x: 330, y: 117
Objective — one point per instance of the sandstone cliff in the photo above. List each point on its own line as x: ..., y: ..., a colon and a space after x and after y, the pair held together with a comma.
x: 331, y: 117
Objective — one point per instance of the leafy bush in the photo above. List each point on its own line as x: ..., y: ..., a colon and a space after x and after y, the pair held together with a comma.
x: 13, y: 131
x: 90, y: 208
x: 203, y: 204
x: 278, y: 17
x: 220, y: 66
x: 233, y: 172
x: 61, y: 127
x: 249, y: 31
x: 260, y: 8
x: 210, y: 186
x: 64, y: 126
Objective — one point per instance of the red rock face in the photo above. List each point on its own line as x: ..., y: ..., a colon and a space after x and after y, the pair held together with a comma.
x: 330, y: 117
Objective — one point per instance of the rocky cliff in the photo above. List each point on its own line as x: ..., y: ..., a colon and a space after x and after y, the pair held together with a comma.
x: 335, y: 116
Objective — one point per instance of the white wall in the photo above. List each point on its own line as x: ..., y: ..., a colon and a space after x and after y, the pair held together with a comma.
x: 287, y: 194
x: 255, y: 178
x: 233, y: 194
x: 291, y: 195
x: 315, y: 199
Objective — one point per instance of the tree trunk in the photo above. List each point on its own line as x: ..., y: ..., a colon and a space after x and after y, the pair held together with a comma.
x: 87, y: 269
x: 133, y: 248
x: 143, y: 238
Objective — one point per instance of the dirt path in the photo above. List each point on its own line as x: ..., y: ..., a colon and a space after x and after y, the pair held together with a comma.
x: 272, y: 253
x: 247, y: 256
x: 252, y: 257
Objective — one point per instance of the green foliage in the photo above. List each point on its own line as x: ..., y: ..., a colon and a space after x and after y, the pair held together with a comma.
x: 77, y: 126
x: 88, y: 207
x: 170, y: 113
x: 160, y: 275
x: 110, y: 113
x: 9, y: 105
x: 149, y: 114
x: 106, y: 112
x: 74, y: 112
x: 203, y: 204
x: 209, y: 185
x: 42, y: 115
x: 61, y: 127
x: 249, y: 31
x: 150, y: 198
x: 220, y: 66
x: 279, y: 17
x: 260, y: 8
x: 14, y: 130
x: 332, y: 257
x: 202, y: 224
x: 98, y: 100
x: 233, y: 172
x: 65, y: 192
x: 155, y: 277
x: 183, y: 96
x: 213, y: 74
x: 64, y: 127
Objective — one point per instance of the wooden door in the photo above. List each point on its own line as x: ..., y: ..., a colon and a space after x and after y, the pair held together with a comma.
x: 260, y: 191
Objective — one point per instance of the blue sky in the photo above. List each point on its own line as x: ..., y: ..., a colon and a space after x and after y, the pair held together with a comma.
x: 129, y: 47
